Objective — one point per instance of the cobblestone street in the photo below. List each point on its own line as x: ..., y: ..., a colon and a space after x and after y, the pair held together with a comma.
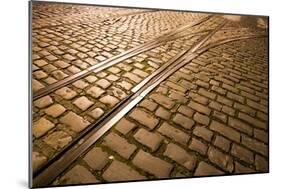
x: 151, y: 94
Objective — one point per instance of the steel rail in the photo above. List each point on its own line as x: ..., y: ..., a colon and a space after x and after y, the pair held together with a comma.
x: 55, y: 168
x: 116, y: 59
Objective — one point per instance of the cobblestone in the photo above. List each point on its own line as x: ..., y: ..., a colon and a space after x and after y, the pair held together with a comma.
x: 40, y: 63
x: 80, y: 84
x: 243, y: 127
x: 198, y: 98
x: 244, y: 109
x: 183, y: 121
x: 153, y: 165
x: 41, y: 127
x: 149, y: 139
x: 220, y: 159
x: 235, y: 97
x: 126, y: 85
x: 144, y: 118
x: 163, y: 100
x: 91, y: 79
x: 220, y: 116
x: 222, y: 143
x: 242, y: 153
x: 203, y: 132
x: 36, y: 85
x: 242, y: 169
x: 261, y: 135
x: 202, y: 119
x: 173, y: 133
x: 180, y: 156
x: 96, y: 158
x: 83, y: 103
x: 132, y: 77
x: 118, y: 171
x: 58, y: 139
x: 58, y: 74
x: 224, y: 100
x: 200, y: 108
x: 186, y: 111
x: 163, y: 113
x: 124, y: 126
x: 75, y: 122
x: 140, y: 73
x: 228, y: 110
x: 148, y: 104
x: 119, y: 145
x: 252, y: 120
x: 257, y: 106
x: 255, y: 145
x: 66, y: 93
x: 95, y: 92
x: 96, y: 113
x: 261, y: 163
x: 178, y: 97
x: 43, y: 102
x: 78, y: 175
x: 205, y: 169
x: 225, y: 131
x: 103, y: 83
x: 109, y: 100
x: 37, y: 160
x: 176, y: 87
x: 198, y: 146
x: 207, y: 93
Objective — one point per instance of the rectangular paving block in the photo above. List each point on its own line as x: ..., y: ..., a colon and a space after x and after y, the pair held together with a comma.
x: 255, y: 145
x: 41, y: 127
x: 149, y: 139
x: 124, y: 126
x: 119, y: 145
x: 205, y: 169
x: 118, y: 171
x: 163, y: 100
x: 183, y: 121
x: 200, y: 108
x: 222, y: 160
x: 198, y: 146
x: 78, y: 175
x: 240, y: 125
x: 242, y: 153
x: 173, y: 133
x: 179, y: 155
x: 96, y: 158
x: 226, y: 131
x: 253, y: 121
x: 144, y: 118
x: 74, y: 121
x: 152, y: 165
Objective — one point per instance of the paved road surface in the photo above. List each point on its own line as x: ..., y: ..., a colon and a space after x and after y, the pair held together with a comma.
x: 210, y: 117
